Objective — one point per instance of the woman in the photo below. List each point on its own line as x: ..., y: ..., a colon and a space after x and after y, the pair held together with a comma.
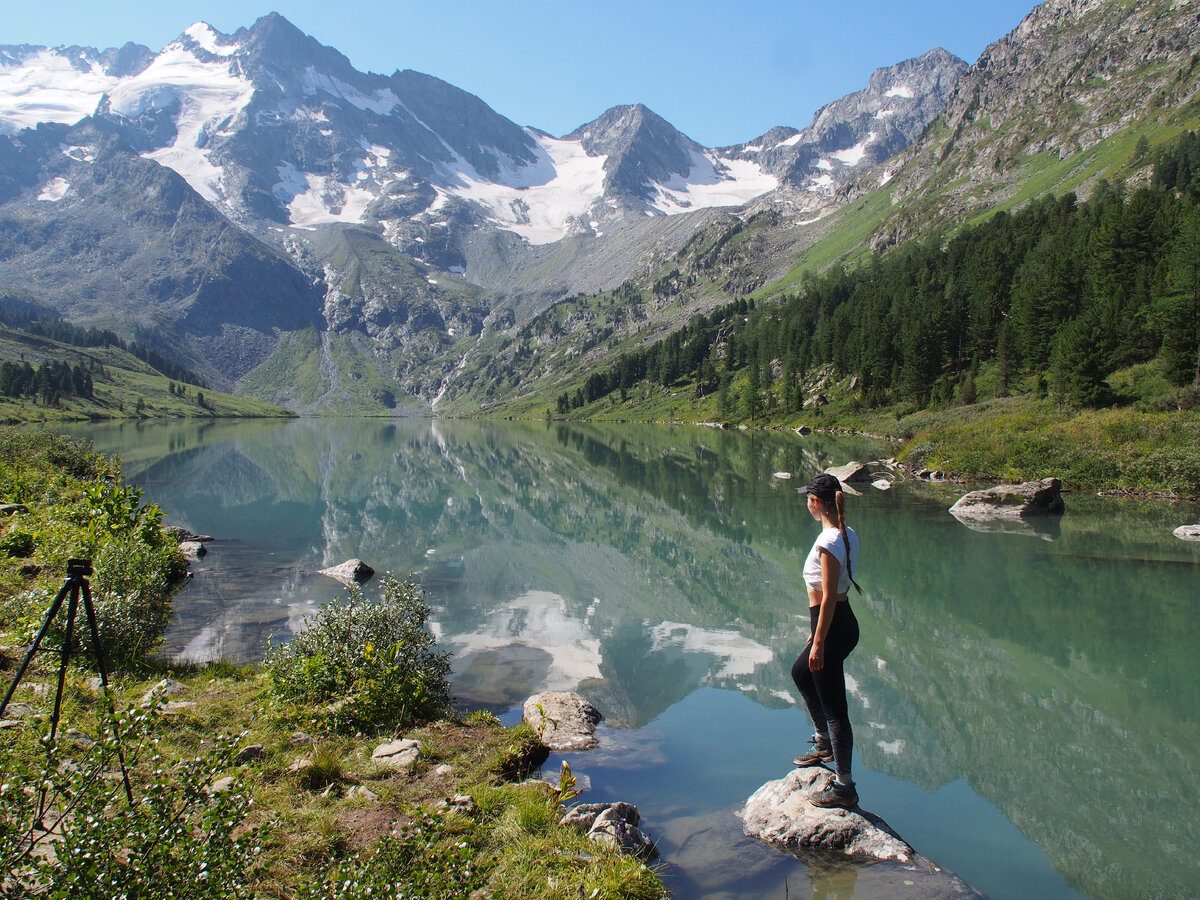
x: 818, y: 672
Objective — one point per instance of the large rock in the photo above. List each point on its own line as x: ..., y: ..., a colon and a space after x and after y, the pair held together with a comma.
x: 851, y: 473
x: 1012, y: 501
x: 564, y: 720
x: 780, y: 814
x: 721, y: 863
x: 352, y: 571
x: 1187, y: 532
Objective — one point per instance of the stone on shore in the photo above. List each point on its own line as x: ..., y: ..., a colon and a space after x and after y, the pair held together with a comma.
x: 193, y: 551
x: 1012, y: 501
x: 397, y: 754
x: 614, y: 824
x: 583, y: 816
x: 351, y: 572
x: 1187, y: 532
x: 564, y: 720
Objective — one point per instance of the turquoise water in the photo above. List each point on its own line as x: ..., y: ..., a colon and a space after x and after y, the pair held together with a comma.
x: 1026, y: 706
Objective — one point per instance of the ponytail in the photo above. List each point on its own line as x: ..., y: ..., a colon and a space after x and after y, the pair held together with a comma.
x: 839, y: 500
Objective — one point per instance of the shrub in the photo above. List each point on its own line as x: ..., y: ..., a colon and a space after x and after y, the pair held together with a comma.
x: 359, y: 665
x: 135, y: 565
x: 181, y: 838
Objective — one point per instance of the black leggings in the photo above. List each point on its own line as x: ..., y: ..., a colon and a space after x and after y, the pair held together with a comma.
x: 824, y: 691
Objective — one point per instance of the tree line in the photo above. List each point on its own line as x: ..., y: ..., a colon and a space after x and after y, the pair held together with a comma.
x: 48, y: 383
x: 63, y: 332
x: 1064, y: 290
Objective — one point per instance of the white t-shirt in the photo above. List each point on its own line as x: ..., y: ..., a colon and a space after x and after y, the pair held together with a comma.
x: 831, y: 540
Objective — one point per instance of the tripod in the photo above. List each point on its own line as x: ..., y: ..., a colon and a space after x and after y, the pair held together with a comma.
x: 76, y: 585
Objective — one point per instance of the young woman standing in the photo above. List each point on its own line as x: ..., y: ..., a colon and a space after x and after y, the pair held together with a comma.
x: 818, y: 671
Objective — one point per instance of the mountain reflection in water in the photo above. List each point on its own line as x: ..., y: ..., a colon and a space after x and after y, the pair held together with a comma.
x: 1026, y: 707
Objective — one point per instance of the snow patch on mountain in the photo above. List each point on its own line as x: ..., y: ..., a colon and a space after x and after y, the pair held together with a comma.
x: 54, y: 190
x: 79, y: 154
x: 319, y: 199
x: 203, y: 34
x: 540, y: 201
x: 46, y: 87
x: 852, y: 156
x: 712, y: 181
x: 900, y: 91
x: 210, y: 96
x: 382, y: 102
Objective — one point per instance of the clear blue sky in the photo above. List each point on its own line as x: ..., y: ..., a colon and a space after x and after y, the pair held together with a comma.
x: 722, y: 73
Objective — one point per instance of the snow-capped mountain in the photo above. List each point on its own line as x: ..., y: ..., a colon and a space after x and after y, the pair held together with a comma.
x: 861, y: 129
x: 396, y: 214
x: 269, y: 124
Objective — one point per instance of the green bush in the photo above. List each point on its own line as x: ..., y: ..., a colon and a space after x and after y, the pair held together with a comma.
x: 363, y: 666
x: 136, y: 566
x: 180, y: 839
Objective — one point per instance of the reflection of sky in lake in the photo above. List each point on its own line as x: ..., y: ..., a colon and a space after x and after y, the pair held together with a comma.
x: 1010, y: 722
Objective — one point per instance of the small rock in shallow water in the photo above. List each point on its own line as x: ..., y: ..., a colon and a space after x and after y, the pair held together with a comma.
x: 563, y: 720
x: 1187, y: 532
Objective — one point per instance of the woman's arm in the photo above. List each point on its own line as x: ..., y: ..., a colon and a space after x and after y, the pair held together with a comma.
x: 831, y: 572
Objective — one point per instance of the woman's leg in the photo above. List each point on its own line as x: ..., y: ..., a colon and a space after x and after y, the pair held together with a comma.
x: 808, y: 690
x: 829, y: 686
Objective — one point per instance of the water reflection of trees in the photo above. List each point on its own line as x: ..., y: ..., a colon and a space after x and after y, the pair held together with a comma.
x: 1057, y: 678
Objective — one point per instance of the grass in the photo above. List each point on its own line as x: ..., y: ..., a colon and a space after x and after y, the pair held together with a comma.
x: 338, y: 810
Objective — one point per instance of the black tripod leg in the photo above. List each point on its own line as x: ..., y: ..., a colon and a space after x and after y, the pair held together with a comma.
x: 95, y: 629
x: 33, y: 648
x: 68, y: 635
x: 71, y: 585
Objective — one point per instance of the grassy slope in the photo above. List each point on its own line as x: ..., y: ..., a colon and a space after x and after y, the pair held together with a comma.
x: 125, y: 381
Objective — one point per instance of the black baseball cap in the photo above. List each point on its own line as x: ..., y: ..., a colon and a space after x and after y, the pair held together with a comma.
x: 824, y: 486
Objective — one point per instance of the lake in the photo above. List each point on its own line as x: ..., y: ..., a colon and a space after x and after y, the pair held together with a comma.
x: 1026, y: 706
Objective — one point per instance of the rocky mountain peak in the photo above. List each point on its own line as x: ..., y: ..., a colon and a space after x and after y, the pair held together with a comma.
x: 642, y: 149
x: 860, y: 129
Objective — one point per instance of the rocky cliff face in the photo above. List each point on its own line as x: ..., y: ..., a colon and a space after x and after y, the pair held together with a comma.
x: 103, y: 236
x: 1072, y: 74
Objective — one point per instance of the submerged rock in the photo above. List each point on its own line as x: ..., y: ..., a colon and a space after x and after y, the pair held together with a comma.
x: 564, y: 720
x: 352, y: 571
x: 1012, y: 501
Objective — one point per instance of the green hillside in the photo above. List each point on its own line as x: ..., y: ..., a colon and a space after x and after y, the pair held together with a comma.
x: 118, y: 385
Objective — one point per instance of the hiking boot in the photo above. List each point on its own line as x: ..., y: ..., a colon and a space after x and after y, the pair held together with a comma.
x: 820, y: 752
x: 836, y: 796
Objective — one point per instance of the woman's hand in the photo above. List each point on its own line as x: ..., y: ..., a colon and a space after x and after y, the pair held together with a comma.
x: 816, y: 657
